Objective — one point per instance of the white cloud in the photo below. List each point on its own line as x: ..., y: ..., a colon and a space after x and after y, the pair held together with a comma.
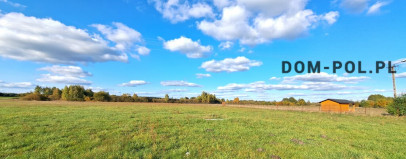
x: 142, y: 50
x: 274, y: 78
x: 18, y: 5
x: 250, y: 22
x: 376, y: 7
x: 184, y: 45
x: 401, y: 75
x: 331, y: 17
x: 179, y: 83
x: 261, y: 86
x: 173, y: 90
x: 124, y: 37
x: 201, y: 75
x: 48, y: 78
x: 64, y: 75
x: 66, y: 70
x: 261, y: 21
x: 134, y: 83
x: 46, y: 40
x: 240, y: 63
x: 273, y: 7
x: 323, y: 77
x: 97, y: 89
x: 226, y: 45
x: 177, y: 11
x: 16, y: 85
x: 355, y: 6
x: 220, y: 4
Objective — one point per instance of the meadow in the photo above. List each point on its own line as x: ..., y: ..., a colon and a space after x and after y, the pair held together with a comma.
x: 56, y: 129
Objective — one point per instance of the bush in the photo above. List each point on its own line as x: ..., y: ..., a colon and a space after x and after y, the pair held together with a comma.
x: 398, y: 107
x: 102, y: 96
x: 34, y: 96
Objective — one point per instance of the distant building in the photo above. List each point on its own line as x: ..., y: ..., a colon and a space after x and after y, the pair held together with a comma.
x: 335, y: 105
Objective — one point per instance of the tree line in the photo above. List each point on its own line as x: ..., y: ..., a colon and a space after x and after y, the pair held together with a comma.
x: 79, y: 93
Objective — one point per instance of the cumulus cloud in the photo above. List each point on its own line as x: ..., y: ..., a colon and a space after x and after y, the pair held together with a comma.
x: 401, y: 75
x: 47, y: 40
x: 48, y: 78
x: 250, y: 22
x: 323, y: 77
x: 184, y: 45
x: 16, y: 85
x: 124, y: 37
x: 66, y: 70
x: 142, y: 50
x: 177, y: 11
x: 226, y: 45
x: 64, y: 75
x: 179, y: 83
x: 134, y: 83
x: 331, y: 17
x: 261, y: 21
x: 240, y: 63
x: 375, y: 8
x: 201, y: 75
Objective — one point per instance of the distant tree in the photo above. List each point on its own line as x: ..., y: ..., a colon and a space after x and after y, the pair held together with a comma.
x: 236, y: 100
x: 65, y: 93
x: 102, y: 96
x: 46, y: 91
x: 37, y: 90
x: 301, y: 102
x: 76, y: 93
x: 89, y: 93
x: 380, y: 100
x: 367, y: 103
x: 166, y: 98
x: 126, y: 98
x: 73, y: 93
x: 56, y: 94
x: 135, y: 97
x: 376, y: 97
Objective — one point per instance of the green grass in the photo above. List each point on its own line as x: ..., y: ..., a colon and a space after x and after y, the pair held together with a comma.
x: 7, y: 98
x: 131, y: 130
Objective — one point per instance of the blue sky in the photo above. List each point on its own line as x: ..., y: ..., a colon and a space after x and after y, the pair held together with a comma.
x: 233, y: 48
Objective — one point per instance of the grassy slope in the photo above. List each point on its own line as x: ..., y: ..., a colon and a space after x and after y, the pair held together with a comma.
x: 100, y: 130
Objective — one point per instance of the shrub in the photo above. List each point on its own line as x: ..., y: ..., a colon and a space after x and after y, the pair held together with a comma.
x: 88, y: 99
x: 102, y: 96
x: 34, y: 96
x: 398, y: 106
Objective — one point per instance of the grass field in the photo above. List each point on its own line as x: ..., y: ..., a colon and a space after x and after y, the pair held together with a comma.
x: 137, y: 130
x: 7, y: 98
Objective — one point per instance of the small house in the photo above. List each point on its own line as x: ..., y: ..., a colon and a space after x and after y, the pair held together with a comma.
x: 335, y: 105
